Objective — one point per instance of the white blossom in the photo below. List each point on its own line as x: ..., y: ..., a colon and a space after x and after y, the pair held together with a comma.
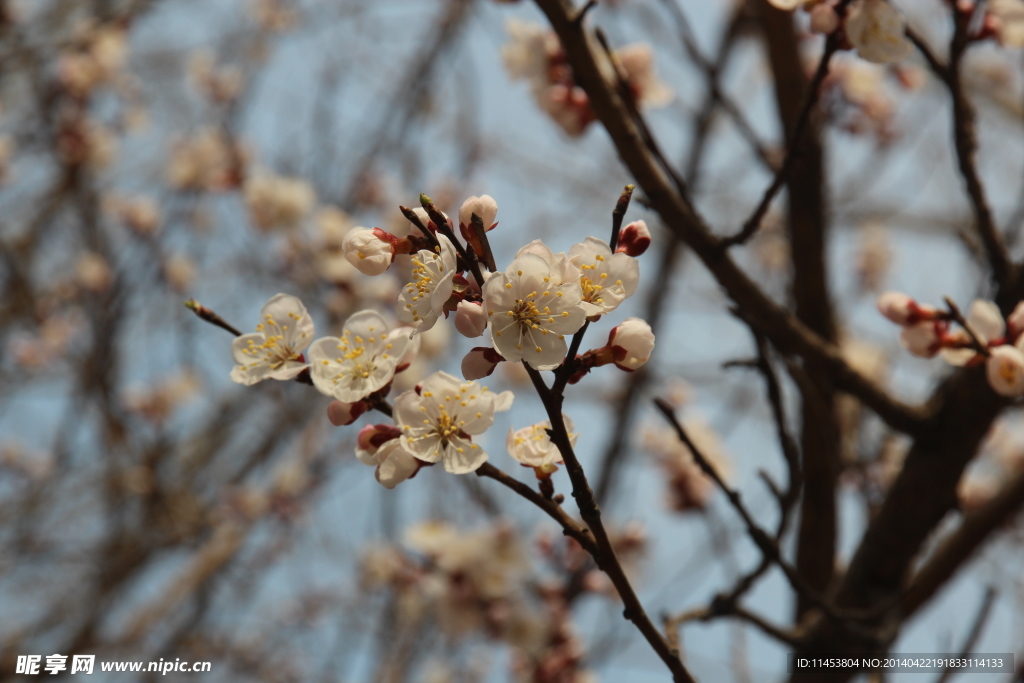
x: 363, y: 360
x: 274, y: 350
x: 1005, y: 371
x: 878, y: 31
x: 606, y: 279
x: 532, y: 446
x: 439, y: 421
x: 422, y: 300
x: 533, y: 305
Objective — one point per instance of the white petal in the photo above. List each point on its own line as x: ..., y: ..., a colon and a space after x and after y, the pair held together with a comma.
x: 462, y: 456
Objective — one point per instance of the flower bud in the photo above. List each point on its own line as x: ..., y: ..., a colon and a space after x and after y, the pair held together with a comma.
x: 1005, y: 371
x: 921, y: 339
x: 903, y: 310
x: 485, y: 207
x: 480, y: 362
x: 632, y: 342
x: 371, y: 250
x: 370, y: 441
x: 396, y: 464
x: 1015, y: 323
x: 634, y: 239
x: 824, y: 19
x: 470, y: 319
x: 341, y: 413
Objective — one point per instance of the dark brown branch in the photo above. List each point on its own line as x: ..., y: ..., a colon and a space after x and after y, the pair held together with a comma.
x: 672, y: 624
x: 604, y: 554
x: 959, y: 547
x: 570, y: 527
x: 786, y: 333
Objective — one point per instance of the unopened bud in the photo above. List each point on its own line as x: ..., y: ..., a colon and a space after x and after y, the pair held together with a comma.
x: 485, y: 207
x: 903, y: 310
x: 480, y: 362
x: 341, y: 413
x: 634, y: 239
x: 470, y: 319
x: 921, y: 339
x: 370, y: 250
x: 824, y: 19
x: 371, y: 439
x: 1015, y: 323
x: 631, y: 342
x: 396, y: 464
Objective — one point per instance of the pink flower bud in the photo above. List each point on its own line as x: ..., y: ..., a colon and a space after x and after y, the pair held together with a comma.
x: 1005, y: 371
x: 634, y: 239
x: 921, y: 339
x: 371, y: 439
x: 632, y: 342
x: 1015, y: 323
x: 371, y: 251
x: 903, y: 310
x: 341, y: 414
x: 824, y: 19
x: 470, y: 319
x: 485, y: 207
x: 396, y: 464
x: 480, y: 362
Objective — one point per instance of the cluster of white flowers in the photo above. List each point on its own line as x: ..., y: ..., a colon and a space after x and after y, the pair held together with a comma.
x: 534, y: 54
x: 528, y: 311
x: 985, y: 337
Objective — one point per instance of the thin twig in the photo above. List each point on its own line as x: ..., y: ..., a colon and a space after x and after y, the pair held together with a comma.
x: 604, y: 554
x: 753, y: 223
x: 552, y: 509
x: 204, y: 313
